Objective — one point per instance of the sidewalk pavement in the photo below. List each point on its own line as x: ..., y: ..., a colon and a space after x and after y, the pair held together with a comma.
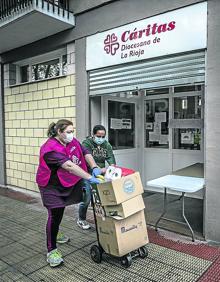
x: 23, y: 251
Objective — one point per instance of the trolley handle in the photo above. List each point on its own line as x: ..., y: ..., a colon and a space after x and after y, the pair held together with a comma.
x: 95, y: 201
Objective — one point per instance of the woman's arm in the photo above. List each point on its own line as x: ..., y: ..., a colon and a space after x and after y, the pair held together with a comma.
x: 90, y: 161
x: 110, y: 155
x: 75, y: 169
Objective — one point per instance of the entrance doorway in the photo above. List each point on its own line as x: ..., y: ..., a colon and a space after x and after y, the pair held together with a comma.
x: 121, y: 118
x: 154, y: 131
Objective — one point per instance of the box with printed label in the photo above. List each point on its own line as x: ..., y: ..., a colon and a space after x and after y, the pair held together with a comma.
x: 126, y: 208
x: 120, y: 237
x: 120, y: 190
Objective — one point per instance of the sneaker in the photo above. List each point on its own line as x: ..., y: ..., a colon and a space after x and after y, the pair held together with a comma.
x: 54, y: 258
x: 61, y: 238
x: 83, y: 224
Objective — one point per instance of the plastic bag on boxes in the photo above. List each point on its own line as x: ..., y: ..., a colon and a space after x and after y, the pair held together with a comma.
x: 126, y: 171
x: 115, y: 172
x: 112, y: 173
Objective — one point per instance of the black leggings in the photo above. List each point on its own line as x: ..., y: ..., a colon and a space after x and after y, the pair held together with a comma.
x: 54, y: 218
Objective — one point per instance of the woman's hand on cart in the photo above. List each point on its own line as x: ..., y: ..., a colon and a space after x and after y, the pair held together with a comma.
x: 94, y: 180
x: 96, y: 171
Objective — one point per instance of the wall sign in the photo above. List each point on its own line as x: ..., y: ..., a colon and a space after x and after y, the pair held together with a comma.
x: 178, y: 31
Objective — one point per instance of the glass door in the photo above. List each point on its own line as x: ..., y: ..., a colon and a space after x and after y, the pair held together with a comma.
x: 156, y: 152
x: 121, y: 125
x: 120, y: 118
x: 187, y: 126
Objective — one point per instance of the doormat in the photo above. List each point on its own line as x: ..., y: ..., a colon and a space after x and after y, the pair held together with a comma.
x: 200, y: 250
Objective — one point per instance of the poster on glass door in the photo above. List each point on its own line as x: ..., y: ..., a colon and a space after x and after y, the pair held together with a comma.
x: 124, y: 123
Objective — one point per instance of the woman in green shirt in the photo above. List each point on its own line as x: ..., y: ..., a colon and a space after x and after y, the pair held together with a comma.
x: 102, y: 152
x: 99, y: 147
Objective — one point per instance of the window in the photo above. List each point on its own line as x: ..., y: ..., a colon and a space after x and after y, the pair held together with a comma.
x: 45, y: 66
x: 24, y: 73
x: 157, y: 91
x: 174, y: 114
x: 188, y: 107
x: 45, y: 70
x: 187, y: 88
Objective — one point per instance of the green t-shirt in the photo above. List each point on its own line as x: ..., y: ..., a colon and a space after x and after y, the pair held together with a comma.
x: 101, y: 153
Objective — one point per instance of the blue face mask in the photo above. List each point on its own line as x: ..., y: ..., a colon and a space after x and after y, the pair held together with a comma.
x: 99, y: 140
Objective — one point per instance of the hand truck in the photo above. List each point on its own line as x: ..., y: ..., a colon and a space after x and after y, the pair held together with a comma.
x: 96, y: 251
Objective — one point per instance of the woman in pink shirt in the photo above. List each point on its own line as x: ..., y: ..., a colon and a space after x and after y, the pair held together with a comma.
x: 62, y: 177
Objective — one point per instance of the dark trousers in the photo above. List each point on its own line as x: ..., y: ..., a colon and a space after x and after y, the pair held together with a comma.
x: 53, y: 222
x: 83, y: 206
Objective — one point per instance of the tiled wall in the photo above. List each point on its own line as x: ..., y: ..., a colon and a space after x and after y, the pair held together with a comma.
x: 29, y: 109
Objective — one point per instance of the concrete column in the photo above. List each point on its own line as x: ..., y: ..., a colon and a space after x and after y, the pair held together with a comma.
x: 82, y: 99
x: 2, y: 131
x: 212, y: 125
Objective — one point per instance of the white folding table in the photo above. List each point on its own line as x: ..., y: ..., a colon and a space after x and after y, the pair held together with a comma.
x: 179, y: 183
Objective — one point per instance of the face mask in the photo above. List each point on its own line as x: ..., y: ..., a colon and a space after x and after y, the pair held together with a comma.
x: 68, y: 137
x: 99, y: 140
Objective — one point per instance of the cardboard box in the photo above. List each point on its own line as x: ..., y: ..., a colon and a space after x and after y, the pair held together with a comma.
x: 126, y: 208
x: 120, y: 237
x: 120, y: 190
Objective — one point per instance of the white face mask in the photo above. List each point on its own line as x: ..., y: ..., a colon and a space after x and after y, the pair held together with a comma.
x: 68, y: 137
x: 99, y: 140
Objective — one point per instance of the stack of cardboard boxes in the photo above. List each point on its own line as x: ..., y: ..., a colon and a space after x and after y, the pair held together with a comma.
x: 123, y: 229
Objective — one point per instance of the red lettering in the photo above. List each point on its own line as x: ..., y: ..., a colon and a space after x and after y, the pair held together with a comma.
x: 154, y: 29
x: 140, y: 33
x: 123, y: 36
x: 171, y: 25
x: 134, y: 34
x: 162, y: 28
x: 150, y: 29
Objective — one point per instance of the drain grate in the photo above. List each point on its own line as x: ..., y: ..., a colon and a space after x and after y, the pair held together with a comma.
x: 182, y: 261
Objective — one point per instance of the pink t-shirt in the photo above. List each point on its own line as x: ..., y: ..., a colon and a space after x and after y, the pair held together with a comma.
x: 72, y: 150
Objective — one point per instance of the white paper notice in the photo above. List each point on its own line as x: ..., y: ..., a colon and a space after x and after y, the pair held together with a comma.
x: 161, y: 117
x: 116, y: 123
x: 163, y: 139
x: 154, y: 137
x: 157, y: 128
x: 126, y: 123
x: 149, y: 125
x: 187, y: 138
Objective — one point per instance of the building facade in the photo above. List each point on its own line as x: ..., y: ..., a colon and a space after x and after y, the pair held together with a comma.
x: 147, y: 70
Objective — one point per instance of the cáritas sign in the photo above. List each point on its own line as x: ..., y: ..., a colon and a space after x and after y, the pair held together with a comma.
x: 168, y: 33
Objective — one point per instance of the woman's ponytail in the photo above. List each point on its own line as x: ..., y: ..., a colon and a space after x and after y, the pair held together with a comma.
x: 51, y: 132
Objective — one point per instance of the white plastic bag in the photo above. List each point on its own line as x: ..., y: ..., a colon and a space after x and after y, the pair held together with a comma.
x: 113, y: 173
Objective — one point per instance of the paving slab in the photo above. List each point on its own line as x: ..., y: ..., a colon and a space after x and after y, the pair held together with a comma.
x: 23, y: 252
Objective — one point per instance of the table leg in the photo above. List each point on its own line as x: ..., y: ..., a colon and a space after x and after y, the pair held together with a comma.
x: 164, y: 208
x: 165, y: 204
x: 183, y: 214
